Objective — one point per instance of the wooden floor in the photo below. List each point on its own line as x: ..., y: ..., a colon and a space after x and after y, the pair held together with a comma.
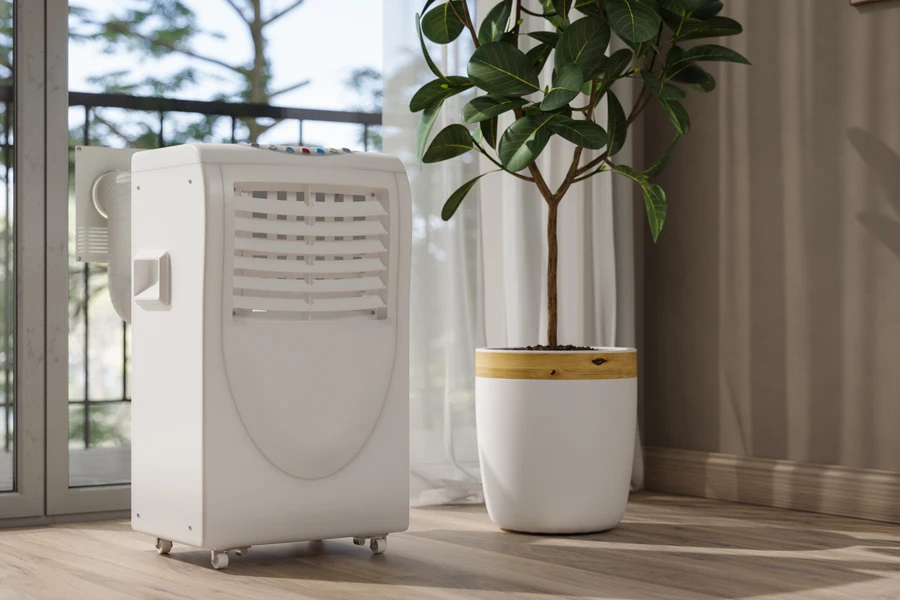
x: 668, y: 547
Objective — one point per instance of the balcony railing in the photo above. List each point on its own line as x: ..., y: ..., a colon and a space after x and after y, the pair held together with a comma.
x: 161, y: 108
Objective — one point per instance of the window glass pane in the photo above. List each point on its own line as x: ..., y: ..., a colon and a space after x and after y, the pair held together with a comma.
x: 7, y: 255
x: 151, y: 73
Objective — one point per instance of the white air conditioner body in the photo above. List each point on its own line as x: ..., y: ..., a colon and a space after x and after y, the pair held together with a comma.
x: 270, y: 346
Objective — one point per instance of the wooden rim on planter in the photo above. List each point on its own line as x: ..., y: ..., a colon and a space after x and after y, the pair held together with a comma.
x: 597, y: 364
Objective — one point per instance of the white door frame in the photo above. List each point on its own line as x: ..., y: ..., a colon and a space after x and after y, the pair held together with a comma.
x: 61, y: 499
x: 28, y: 498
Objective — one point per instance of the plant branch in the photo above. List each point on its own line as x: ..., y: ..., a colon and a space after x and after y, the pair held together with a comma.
x: 283, y: 12
x: 493, y: 160
x: 552, y: 273
x: 516, y: 27
x: 466, y: 18
x: 656, y: 47
x: 570, y: 176
x: 636, y: 112
x: 238, y: 10
x: 115, y: 130
x: 540, y: 183
x: 289, y: 88
x: 588, y: 166
x: 599, y: 169
x: 531, y: 12
x: 174, y: 48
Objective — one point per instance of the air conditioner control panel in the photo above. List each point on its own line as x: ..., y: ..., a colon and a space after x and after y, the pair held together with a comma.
x: 309, y: 150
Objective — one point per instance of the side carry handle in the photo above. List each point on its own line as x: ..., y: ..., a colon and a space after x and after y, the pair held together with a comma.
x: 152, y: 280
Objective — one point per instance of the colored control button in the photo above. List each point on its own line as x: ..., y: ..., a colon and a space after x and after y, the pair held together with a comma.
x: 288, y: 149
x: 346, y: 149
x: 305, y: 150
x: 320, y: 151
x: 254, y: 144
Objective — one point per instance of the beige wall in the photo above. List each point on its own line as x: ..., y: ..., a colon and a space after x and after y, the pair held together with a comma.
x: 772, y: 315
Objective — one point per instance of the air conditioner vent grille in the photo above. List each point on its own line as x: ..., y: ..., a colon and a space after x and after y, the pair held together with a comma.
x: 310, y: 253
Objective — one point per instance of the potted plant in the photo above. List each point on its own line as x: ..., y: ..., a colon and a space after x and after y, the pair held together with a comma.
x: 556, y: 423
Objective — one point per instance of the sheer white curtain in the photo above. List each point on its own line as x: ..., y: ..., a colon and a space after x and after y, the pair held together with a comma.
x: 447, y: 300
x: 480, y: 279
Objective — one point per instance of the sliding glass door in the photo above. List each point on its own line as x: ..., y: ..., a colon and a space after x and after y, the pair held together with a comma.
x: 21, y: 259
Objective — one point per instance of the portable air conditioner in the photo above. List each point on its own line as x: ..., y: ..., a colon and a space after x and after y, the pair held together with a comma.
x: 269, y: 299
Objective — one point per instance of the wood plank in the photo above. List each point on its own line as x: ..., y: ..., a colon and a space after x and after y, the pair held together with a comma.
x: 668, y: 547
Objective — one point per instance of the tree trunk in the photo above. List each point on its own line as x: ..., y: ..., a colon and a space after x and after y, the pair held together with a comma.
x: 256, y: 92
x: 552, y: 260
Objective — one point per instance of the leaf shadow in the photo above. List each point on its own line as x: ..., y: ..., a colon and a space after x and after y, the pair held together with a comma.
x: 885, y: 166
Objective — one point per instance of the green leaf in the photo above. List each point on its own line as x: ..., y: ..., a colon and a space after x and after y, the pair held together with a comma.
x: 477, y: 135
x: 633, y: 21
x: 616, y: 126
x: 654, y: 198
x: 613, y: 65
x: 500, y: 68
x: 437, y: 89
x: 566, y: 86
x: 588, y: 7
x: 709, y: 11
x: 539, y: 55
x: 457, y: 197
x: 687, y: 7
x: 630, y: 173
x: 678, y: 115
x: 584, y: 43
x: 550, y: 13
x: 428, y: 60
x: 712, y: 52
x: 425, y: 125
x: 488, y: 130
x: 449, y: 143
x: 524, y: 140
x: 675, y: 21
x: 696, y: 78
x: 586, y: 134
x: 444, y: 23
x: 546, y: 37
x: 562, y: 8
x: 656, y: 169
x: 494, y: 24
x: 663, y: 91
x: 655, y: 203
x: 486, y: 107
x: 714, y: 27
x: 672, y: 92
x: 652, y: 82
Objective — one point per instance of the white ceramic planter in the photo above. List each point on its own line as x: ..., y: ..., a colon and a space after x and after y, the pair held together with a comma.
x: 556, y: 437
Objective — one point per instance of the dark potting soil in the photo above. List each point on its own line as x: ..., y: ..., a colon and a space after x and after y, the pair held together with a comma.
x: 566, y: 348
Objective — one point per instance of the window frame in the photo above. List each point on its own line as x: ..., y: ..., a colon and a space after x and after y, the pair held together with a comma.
x: 27, y: 499
x: 62, y: 499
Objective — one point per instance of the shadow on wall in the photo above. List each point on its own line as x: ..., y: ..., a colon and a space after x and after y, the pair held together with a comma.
x: 885, y: 169
x: 771, y: 317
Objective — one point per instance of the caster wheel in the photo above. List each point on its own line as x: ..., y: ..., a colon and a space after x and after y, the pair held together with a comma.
x: 163, y: 546
x: 219, y: 559
x: 378, y: 545
x: 242, y: 551
x: 359, y: 541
